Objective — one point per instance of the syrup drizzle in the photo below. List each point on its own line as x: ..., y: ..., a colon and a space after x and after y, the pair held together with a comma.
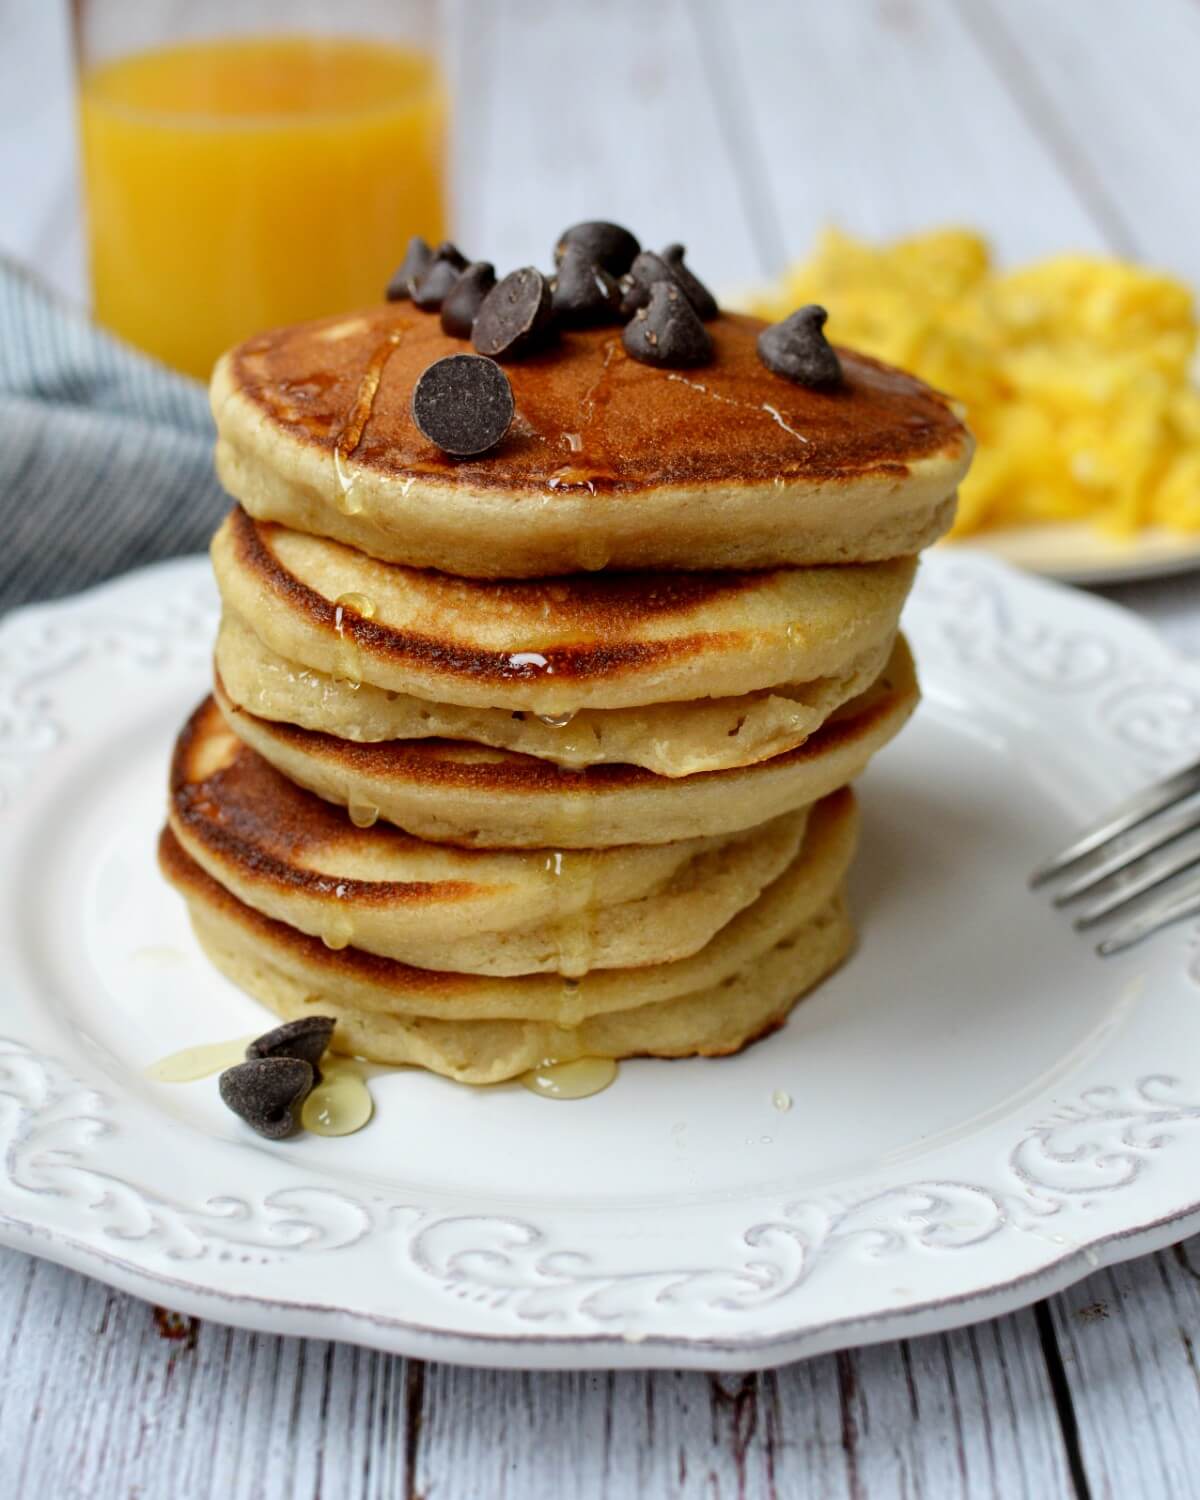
x: 573, y: 870
x: 338, y: 930
x: 363, y: 814
x: 582, y: 474
x: 762, y: 406
x: 348, y: 667
x: 578, y: 477
x: 356, y: 421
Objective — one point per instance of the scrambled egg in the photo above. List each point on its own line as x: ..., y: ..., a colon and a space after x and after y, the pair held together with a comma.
x: 1075, y: 371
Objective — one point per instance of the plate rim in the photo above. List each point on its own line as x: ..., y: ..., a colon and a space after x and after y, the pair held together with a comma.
x: 1153, y: 552
x: 606, y: 1349
x: 483, y: 1350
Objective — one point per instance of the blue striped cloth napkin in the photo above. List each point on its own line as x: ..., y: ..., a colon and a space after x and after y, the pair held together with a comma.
x: 105, y: 455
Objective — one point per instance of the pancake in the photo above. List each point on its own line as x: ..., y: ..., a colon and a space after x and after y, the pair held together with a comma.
x: 482, y: 1030
x: 296, y: 858
x: 609, y: 462
x: 670, y: 739
x: 458, y: 793
x: 551, y: 646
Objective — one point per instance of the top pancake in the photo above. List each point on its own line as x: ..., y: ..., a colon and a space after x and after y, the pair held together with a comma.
x: 609, y: 463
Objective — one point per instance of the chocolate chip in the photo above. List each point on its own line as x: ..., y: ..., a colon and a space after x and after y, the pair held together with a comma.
x: 692, y: 287
x: 798, y: 350
x: 667, y: 331
x: 515, y: 316
x: 649, y: 268
x: 267, y: 1093
x: 605, y: 245
x: 464, y: 299
x: 306, y: 1038
x: 463, y: 403
x: 442, y: 272
x: 416, y: 262
x: 584, y: 292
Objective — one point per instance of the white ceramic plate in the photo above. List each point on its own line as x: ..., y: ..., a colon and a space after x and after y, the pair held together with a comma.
x: 982, y: 1110
x: 1075, y: 552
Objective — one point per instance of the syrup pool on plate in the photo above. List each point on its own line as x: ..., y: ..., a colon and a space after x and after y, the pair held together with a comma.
x: 341, y: 1103
x: 570, y: 1080
x: 191, y: 1063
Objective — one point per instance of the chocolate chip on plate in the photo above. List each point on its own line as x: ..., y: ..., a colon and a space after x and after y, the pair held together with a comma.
x: 267, y: 1093
x: 605, y: 245
x: 464, y: 299
x: 798, y: 350
x: 306, y: 1038
x: 667, y: 330
x: 463, y: 403
x: 443, y: 271
x: 692, y: 287
x: 584, y: 292
x: 416, y: 262
x: 515, y: 316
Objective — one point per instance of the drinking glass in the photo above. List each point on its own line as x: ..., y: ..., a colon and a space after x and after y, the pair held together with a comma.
x: 248, y: 165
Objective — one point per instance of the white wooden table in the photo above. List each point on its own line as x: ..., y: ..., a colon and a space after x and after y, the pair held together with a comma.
x: 738, y: 126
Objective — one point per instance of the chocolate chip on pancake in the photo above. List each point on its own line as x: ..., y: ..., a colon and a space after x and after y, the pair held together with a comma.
x: 667, y: 330
x: 267, y: 1093
x: 606, y: 245
x: 516, y: 315
x: 649, y: 268
x: 646, y: 269
x: 872, y: 476
x: 692, y: 287
x: 306, y: 1039
x: 417, y: 260
x: 443, y: 271
x: 584, y: 292
x: 462, y: 302
x: 798, y: 350
x: 464, y: 404
x: 418, y: 257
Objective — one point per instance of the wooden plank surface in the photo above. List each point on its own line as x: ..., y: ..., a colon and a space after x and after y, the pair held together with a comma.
x: 897, y: 119
x: 1114, y: 99
x: 1129, y: 1339
x: 103, y: 1397
x: 739, y: 125
x: 593, y: 111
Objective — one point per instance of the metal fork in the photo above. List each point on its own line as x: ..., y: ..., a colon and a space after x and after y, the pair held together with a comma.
x: 1146, y: 842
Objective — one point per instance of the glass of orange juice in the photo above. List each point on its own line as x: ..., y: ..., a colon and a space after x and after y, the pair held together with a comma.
x: 252, y: 164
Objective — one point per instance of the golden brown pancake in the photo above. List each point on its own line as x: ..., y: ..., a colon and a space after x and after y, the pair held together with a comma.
x: 295, y: 857
x: 482, y: 1030
x: 460, y: 793
x: 670, y: 739
x: 609, y: 462
x: 551, y: 646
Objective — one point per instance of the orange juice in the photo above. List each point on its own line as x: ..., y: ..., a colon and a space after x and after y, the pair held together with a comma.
x: 238, y: 184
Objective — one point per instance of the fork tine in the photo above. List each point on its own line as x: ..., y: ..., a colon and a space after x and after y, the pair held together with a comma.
x: 1156, y: 873
x: 1127, y: 815
x: 1163, y: 830
x: 1172, y: 907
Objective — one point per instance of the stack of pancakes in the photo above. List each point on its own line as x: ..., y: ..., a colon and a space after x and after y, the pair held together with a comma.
x: 544, y: 754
